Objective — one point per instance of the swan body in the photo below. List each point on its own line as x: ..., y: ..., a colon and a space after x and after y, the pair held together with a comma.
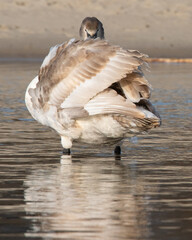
x: 92, y: 92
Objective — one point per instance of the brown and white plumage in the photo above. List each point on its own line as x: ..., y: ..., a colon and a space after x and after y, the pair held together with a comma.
x: 93, y: 92
x: 91, y: 27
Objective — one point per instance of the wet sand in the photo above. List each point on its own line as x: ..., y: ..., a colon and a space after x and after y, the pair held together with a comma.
x: 159, y: 28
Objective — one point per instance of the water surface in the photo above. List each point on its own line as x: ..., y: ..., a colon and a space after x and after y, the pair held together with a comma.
x: 146, y: 195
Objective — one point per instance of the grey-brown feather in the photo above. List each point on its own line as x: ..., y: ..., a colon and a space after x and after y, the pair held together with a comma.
x: 91, y: 24
x: 84, y: 59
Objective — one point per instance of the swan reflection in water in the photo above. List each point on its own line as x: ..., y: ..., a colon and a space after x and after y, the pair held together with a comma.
x: 84, y: 198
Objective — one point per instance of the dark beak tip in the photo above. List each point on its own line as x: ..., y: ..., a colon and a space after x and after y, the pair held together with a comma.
x: 91, y: 36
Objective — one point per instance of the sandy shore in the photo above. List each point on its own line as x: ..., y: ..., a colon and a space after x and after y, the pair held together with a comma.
x: 29, y: 28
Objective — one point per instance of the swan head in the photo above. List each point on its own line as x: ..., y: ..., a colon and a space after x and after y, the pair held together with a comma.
x: 91, y: 27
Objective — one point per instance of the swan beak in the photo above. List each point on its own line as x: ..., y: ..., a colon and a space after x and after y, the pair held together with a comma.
x: 93, y: 36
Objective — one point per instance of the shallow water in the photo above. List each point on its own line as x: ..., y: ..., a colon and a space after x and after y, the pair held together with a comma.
x: 146, y: 195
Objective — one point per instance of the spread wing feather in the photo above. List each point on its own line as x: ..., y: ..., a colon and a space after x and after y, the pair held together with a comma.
x: 135, y: 86
x: 114, y: 103
x: 76, y: 71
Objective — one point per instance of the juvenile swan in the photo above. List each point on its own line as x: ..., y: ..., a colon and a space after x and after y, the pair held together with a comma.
x: 91, y: 27
x: 92, y: 92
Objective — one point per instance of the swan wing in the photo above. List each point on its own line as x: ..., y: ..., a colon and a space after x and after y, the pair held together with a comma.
x: 76, y: 71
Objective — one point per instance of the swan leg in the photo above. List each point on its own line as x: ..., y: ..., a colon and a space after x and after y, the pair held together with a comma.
x: 117, y: 150
x: 66, y: 151
x: 67, y: 144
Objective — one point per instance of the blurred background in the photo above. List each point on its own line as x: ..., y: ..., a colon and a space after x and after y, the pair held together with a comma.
x: 28, y: 28
x: 148, y: 194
